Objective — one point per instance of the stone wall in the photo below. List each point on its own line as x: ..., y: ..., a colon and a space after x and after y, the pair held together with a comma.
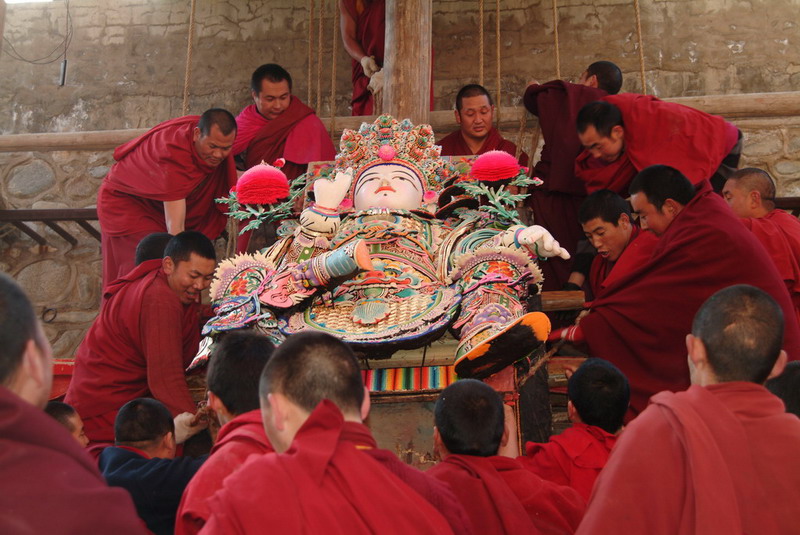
x: 127, y: 57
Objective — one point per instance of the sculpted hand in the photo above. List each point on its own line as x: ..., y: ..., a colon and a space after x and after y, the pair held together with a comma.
x: 369, y: 66
x: 538, y: 237
x: 376, y: 82
x: 330, y: 193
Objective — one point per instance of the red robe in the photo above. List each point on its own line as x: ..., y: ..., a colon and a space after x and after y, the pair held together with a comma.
x: 657, y: 132
x: 641, y: 320
x: 139, y: 344
x: 713, y: 460
x: 322, y: 484
x: 573, y: 458
x: 604, y: 272
x: 236, y: 441
x: 50, y: 484
x: 454, y: 144
x: 370, y: 19
x: 779, y: 233
x: 160, y: 165
x: 502, y: 497
x: 556, y: 202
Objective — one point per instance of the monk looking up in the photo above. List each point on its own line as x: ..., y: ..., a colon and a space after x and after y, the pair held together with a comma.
x: 67, y: 416
x: 555, y: 203
x: 234, y: 369
x: 720, y: 457
x: 475, y: 116
x: 278, y: 125
x: 327, y: 475
x: 623, y: 134
x: 50, y: 484
x: 750, y: 193
x: 145, y: 335
x: 640, y: 319
x: 500, y: 495
x: 621, y: 245
x: 166, y: 181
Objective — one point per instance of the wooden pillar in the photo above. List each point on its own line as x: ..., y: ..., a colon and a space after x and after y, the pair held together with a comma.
x: 2, y: 21
x: 407, y: 59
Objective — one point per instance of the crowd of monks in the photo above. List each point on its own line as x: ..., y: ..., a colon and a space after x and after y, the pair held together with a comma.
x: 693, y: 278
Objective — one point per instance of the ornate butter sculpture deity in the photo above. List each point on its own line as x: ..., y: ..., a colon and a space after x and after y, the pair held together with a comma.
x: 387, y: 274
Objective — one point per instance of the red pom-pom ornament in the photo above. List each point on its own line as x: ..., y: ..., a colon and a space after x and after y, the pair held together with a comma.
x: 262, y: 184
x: 495, y: 166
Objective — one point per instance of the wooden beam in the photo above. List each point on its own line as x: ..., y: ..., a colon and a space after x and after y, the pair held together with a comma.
x: 407, y: 59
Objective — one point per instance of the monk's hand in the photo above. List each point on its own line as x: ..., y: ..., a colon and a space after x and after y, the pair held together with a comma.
x: 376, y: 82
x: 535, y: 238
x: 369, y: 65
x: 187, y: 425
x: 329, y: 194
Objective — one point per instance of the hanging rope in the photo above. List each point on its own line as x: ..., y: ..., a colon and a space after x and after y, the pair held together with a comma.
x: 641, y: 45
x: 480, y: 42
x: 319, y: 56
x: 555, y: 40
x: 188, y: 72
x: 334, y: 43
x: 497, y: 49
x: 310, y: 56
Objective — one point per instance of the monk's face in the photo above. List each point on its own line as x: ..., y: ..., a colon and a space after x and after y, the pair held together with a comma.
x: 188, y: 278
x: 273, y: 98
x: 476, y: 117
x: 740, y: 200
x: 214, y: 147
x: 388, y: 186
x: 650, y: 218
x: 76, y: 429
x: 610, y: 239
x: 606, y: 148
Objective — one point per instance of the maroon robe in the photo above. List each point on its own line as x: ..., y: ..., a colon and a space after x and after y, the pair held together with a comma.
x: 139, y: 344
x: 50, y: 484
x: 236, y: 441
x: 638, y: 250
x: 322, y: 484
x: 574, y: 457
x: 779, y: 233
x: 160, y: 165
x: 503, y: 497
x: 641, y: 320
x: 658, y: 132
x: 370, y: 19
x: 708, y: 461
x: 454, y: 144
x: 556, y: 202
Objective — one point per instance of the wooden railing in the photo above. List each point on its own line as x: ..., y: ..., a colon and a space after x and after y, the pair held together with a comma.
x: 52, y: 218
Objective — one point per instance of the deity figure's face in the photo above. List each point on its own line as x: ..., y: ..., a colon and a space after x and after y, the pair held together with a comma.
x: 388, y: 185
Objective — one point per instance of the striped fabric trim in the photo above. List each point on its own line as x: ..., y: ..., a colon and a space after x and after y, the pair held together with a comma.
x: 409, y: 379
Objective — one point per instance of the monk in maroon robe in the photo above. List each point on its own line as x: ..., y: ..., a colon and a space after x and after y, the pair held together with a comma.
x: 166, y: 181
x: 555, y: 203
x: 499, y: 494
x: 232, y: 378
x: 325, y: 476
x: 476, y: 135
x: 750, y: 193
x: 720, y: 457
x: 598, y: 396
x: 363, y: 34
x: 146, y: 334
x: 50, y: 484
x: 623, y: 134
x: 639, y: 322
x: 620, y: 243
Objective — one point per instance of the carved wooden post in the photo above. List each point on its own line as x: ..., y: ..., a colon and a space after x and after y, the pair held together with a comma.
x: 407, y: 59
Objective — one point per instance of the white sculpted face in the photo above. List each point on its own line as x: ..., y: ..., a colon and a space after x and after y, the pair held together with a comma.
x: 388, y: 185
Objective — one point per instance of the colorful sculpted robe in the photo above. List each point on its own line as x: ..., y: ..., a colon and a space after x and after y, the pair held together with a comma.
x: 640, y: 321
x: 160, y: 165
x: 711, y: 460
x: 574, y: 457
x: 322, y: 484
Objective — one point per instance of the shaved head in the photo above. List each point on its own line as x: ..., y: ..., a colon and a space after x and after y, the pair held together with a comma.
x: 753, y: 179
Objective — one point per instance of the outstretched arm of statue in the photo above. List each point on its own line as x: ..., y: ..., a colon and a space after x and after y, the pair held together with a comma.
x: 536, y: 239
x: 322, y: 217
